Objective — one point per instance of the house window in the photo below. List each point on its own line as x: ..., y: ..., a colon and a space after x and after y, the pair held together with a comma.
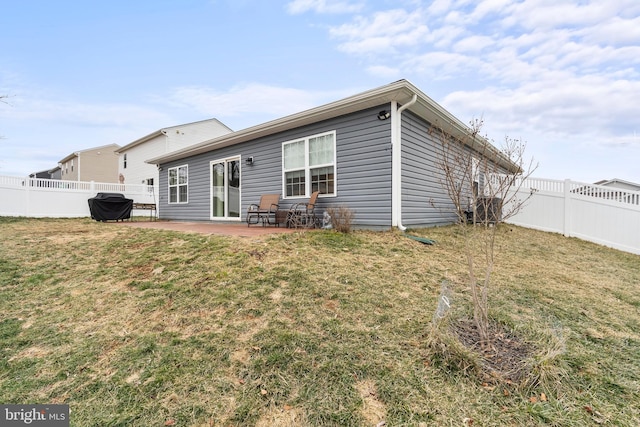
x: 178, y: 184
x: 475, y: 177
x: 309, y: 165
x: 124, y: 161
x: 71, y: 165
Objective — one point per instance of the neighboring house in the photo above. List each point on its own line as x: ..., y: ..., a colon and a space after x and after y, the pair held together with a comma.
x: 99, y: 164
x: 615, y: 189
x: 373, y: 153
x: 132, y: 168
x: 619, y: 184
x: 42, y: 174
x: 56, y: 173
x: 47, y: 178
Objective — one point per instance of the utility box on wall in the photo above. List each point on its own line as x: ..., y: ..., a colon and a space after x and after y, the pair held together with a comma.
x: 489, y: 209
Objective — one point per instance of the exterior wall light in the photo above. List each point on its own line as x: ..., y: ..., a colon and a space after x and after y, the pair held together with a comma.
x: 384, y: 115
x: 249, y: 161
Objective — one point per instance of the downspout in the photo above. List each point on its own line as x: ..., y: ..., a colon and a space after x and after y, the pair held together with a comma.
x: 396, y: 161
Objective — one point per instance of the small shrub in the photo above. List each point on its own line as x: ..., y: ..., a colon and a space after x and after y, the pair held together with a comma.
x: 341, y: 218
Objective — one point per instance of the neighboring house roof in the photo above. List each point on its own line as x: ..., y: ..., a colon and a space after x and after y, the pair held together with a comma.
x: 619, y: 183
x: 401, y: 91
x: 164, y: 131
x: 40, y: 174
x: 77, y: 153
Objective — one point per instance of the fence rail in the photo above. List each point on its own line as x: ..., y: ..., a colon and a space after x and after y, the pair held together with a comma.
x: 603, y: 215
x: 599, y: 214
x: 53, y: 198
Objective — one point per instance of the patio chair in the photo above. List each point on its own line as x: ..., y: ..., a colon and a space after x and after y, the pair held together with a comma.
x: 303, y: 214
x: 265, y: 211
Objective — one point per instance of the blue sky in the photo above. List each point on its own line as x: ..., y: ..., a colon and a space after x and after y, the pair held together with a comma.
x: 561, y: 75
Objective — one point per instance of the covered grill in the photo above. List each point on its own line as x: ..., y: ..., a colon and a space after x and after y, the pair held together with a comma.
x: 110, y: 206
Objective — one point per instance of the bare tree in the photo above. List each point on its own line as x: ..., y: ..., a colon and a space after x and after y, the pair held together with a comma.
x: 483, y: 183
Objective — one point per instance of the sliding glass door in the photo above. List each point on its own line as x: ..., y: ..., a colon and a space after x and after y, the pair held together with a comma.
x: 225, y: 188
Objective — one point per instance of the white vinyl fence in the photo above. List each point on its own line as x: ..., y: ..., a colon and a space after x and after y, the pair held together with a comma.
x: 603, y: 215
x: 53, y: 198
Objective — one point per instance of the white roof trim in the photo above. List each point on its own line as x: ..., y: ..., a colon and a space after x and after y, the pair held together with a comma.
x: 401, y: 91
x: 160, y: 132
x: 77, y: 153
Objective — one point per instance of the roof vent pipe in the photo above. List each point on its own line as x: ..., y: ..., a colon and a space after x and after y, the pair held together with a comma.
x: 396, y: 161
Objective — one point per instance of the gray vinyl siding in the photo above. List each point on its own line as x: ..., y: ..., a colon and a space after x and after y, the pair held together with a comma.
x: 424, y: 200
x: 363, y: 171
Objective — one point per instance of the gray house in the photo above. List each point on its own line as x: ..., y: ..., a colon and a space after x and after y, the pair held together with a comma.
x: 373, y: 153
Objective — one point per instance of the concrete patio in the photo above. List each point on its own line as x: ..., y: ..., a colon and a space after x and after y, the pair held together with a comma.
x: 224, y: 229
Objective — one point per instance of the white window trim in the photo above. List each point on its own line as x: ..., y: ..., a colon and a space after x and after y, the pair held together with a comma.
x: 307, y: 168
x: 179, y: 202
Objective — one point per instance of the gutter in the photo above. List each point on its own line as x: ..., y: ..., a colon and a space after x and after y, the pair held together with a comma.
x: 396, y: 161
x: 425, y: 107
x: 401, y: 89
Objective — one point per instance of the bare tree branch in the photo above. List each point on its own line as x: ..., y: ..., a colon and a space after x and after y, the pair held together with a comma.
x: 482, y: 183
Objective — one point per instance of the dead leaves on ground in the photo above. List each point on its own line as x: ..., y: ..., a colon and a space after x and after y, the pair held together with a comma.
x: 536, y: 399
x: 596, y: 416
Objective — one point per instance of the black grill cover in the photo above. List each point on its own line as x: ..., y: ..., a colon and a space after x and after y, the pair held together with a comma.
x: 110, y: 206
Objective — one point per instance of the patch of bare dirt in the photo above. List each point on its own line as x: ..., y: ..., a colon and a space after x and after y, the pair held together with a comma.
x: 504, y: 358
x: 241, y: 356
x: 31, y: 353
x: 285, y: 417
x: 373, y: 410
x: 70, y: 235
x: 276, y: 296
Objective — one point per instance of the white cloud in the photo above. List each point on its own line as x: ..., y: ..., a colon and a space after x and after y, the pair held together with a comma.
x: 445, y: 36
x: 250, y: 99
x: 82, y: 114
x: 383, y: 32
x: 488, y: 7
x: 30, y: 103
x: 438, y: 7
x: 39, y: 132
x: 615, y: 31
x: 74, y: 126
x: 473, y: 44
x: 442, y: 65
x: 42, y: 127
x: 552, y: 14
x: 323, y: 6
x: 564, y: 73
x: 530, y: 51
x: 587, y: 107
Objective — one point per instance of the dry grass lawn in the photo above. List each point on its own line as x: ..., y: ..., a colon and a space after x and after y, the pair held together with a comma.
x: 135, y: 327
